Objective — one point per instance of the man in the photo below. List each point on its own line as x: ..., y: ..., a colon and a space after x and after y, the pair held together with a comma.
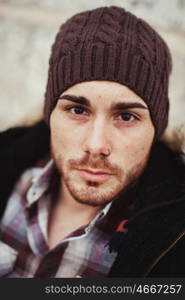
x: 107, y: 198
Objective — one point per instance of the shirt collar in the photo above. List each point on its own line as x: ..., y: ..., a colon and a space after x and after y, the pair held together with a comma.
x: 100, y: 215
x: 40, y: 182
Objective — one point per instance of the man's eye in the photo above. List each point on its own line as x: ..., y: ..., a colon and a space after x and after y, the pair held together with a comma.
x: 77, y: 110
x: 126, y: 117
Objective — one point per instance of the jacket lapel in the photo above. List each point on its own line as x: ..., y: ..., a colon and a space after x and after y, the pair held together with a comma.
x: 149, y: 235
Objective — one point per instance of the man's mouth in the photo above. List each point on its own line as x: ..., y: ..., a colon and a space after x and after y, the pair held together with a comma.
x: 96, y: 176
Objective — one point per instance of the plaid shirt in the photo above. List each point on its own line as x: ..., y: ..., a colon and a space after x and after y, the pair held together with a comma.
x: 24, y: 250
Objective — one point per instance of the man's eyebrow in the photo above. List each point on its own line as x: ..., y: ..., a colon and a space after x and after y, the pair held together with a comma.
x: 76, y: 99
x: 115, y: 106
x: 127, y: 105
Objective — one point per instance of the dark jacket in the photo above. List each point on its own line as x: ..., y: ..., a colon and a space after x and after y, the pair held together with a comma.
x: 154, y: 244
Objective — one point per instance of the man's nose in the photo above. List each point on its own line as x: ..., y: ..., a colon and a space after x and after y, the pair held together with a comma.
x: 97, y: 140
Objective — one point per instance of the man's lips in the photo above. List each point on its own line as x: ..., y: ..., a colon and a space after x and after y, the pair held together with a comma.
x: 94, y: 176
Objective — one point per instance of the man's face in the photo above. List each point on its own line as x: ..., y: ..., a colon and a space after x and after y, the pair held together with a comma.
x: 101, y: 136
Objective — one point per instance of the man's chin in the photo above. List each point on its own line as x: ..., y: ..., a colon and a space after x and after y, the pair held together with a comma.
x: 90, y: 201
x: 93, y: 194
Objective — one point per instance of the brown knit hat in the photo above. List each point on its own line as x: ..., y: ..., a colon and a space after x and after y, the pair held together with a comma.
x: 109, y: 43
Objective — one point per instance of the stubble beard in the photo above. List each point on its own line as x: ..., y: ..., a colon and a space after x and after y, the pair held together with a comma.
x: 93, y: 193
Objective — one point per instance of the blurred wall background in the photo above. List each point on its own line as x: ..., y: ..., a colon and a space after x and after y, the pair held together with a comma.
x: 27, y: 31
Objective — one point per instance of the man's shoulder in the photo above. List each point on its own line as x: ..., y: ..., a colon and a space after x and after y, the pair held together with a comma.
x: 164, y: 178
x: 17, y: 199
x: 19, y: 136
x: 21, y: 149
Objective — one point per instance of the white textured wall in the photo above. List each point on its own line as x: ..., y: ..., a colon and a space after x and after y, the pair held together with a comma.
x: 27, y: 30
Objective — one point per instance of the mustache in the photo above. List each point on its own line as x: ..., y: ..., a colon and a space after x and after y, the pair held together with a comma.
x: 88, y: 162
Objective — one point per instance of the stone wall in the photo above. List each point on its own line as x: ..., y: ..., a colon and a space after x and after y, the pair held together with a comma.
x: 27, y: 30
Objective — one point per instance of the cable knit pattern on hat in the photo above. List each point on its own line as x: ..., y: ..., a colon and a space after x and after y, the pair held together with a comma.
x: 109, y: 43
